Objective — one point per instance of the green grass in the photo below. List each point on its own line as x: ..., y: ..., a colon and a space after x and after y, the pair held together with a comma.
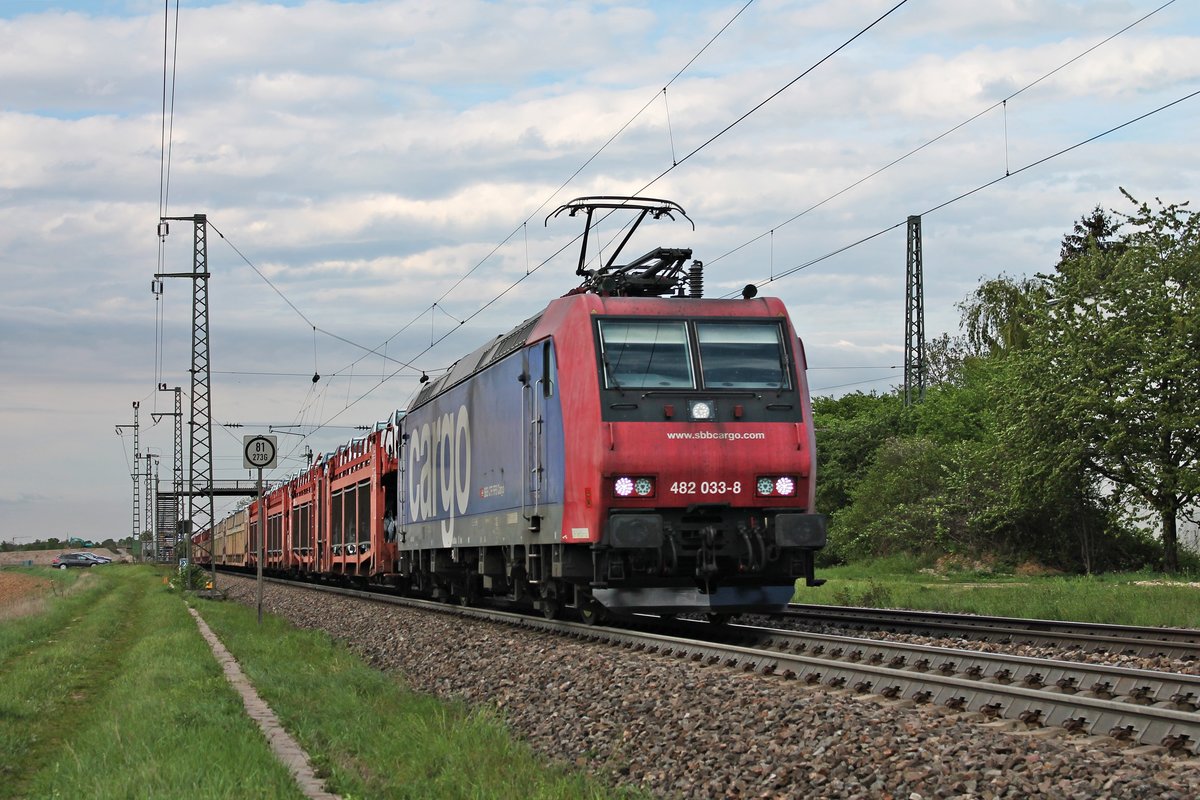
x: 373, y: 738
x: 112, y: 692
x: 1123, y: 598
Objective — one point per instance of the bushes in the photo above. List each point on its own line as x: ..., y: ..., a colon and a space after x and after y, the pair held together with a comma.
x: 931, y: 485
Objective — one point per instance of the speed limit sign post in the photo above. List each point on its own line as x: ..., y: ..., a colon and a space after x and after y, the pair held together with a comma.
x: 259, y: 452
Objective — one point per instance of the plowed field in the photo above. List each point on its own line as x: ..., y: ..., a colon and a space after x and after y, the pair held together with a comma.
x: 19, y: 594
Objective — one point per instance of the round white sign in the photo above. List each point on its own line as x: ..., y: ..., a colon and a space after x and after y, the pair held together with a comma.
x: 259, y: 451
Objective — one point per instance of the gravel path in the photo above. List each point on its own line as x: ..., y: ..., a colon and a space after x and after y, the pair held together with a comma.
x: 679, y: 729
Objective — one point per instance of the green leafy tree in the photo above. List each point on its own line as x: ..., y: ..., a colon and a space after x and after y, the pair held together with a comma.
x: 945, y: 359
x: 1108, y: 383
x: 849, y: 430
x: 898, y: 505
x: 1096, y: 231
x: 997, y: 315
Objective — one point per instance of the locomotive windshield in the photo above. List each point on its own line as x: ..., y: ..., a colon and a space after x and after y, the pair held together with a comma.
x: 741, y: 355
x: 646, y: 355
x: 660, y: 354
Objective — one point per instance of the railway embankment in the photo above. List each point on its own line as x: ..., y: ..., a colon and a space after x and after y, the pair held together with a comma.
x: 694, y: 729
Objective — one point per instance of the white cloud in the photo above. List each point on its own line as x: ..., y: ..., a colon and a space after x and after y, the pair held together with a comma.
x: 365, y: 156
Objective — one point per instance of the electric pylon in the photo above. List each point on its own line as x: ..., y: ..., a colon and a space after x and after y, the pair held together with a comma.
x: 200, y: 466
x: 914, y: 318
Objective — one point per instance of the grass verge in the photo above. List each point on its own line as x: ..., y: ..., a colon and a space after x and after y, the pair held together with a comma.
x: 112, y: 693
x: 368, y: 736
x: 1119, y: 598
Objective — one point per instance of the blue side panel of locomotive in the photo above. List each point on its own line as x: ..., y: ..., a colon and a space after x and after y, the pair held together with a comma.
x: 476, y: 467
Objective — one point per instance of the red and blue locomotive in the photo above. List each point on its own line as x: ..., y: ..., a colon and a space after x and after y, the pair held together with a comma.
x: 633, y: 448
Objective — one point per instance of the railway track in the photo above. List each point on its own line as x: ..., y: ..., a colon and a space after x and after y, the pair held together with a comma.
x: 1181, y: 644
x: 1033, y: 695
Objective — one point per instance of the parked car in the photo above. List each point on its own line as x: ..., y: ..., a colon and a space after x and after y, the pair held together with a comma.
x: 94, y: 557
x: 72, y: 560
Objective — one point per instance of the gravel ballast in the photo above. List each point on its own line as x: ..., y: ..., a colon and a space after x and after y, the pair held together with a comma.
x: 681, y: 729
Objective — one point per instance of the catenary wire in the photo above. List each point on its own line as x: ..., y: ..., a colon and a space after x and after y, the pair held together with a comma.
x: 166, y: 140
x: 376, y: 350
x: 713, y: 138
x: 974, y: 190
x: 569, y: 179
x: 373, y: 350
x: 369, y: 351
x: 855, y: 383
x: 773, y: 95
x: 871, y: 236
x: 999, y: 103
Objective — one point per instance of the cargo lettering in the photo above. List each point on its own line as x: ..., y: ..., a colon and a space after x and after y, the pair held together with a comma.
x: 439, y: 470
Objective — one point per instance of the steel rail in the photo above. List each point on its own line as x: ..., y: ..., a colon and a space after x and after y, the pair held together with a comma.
x: 1128, y: 705
x: 1175, y: 643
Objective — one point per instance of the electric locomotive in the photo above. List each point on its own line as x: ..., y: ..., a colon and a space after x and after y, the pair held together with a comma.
x: 633, y: 447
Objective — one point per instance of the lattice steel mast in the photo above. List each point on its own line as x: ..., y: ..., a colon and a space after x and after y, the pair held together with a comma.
x: 914, y: 318
x: 151, y: 492
x: 167, y: 507
x: 200, y: 465
x: 135, y: 473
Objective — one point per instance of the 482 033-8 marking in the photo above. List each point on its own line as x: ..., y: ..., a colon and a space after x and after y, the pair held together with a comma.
x: 706, y: 487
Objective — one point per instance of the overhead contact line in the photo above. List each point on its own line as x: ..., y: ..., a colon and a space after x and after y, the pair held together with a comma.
x: 979, y: 188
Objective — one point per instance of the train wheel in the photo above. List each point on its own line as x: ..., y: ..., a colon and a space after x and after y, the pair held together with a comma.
x: 717, y: 618
x: 468, y: 594
x: 593, y: 613
x: 551, y: 603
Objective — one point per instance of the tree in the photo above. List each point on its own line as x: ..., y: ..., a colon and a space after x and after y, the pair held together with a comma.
x: 898, y: 505
x: 1093, y: 232
x: 1110, y: 371
x: 945, y: 358
x: 849, y: 430
x: 997, y: 315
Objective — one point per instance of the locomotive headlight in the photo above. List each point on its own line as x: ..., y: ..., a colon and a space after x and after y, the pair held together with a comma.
x: 701, y: 409
x: 630, y: 486
x: 776, y: 486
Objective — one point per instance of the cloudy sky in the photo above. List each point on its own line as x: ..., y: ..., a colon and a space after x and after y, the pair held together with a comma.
x: 377, y: 177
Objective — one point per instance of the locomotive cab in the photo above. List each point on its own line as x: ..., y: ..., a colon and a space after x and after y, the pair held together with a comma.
x: 708, y: 481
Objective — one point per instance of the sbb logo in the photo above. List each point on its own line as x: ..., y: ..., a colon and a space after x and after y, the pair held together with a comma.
x: 439, y: 470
